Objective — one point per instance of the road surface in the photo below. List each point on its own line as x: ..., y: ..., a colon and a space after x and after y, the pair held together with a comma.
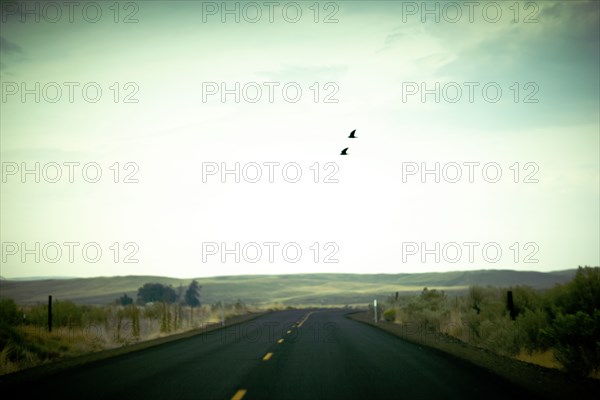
x: 295, y: 354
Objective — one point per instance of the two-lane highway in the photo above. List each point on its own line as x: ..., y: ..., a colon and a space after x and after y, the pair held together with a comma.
x: 291, y: 354
x: 332, y: 357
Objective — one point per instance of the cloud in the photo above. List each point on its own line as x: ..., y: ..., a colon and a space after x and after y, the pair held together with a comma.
x: 305, y: 74
x: 8, y: 47
x: 560, y: 52
x: 576, y: 20
x: 434, y: 61
x: 391, y: 38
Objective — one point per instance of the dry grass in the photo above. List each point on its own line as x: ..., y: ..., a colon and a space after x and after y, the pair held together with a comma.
x: 544, y: 359
x: 34, y: 345
x: 40, y: 347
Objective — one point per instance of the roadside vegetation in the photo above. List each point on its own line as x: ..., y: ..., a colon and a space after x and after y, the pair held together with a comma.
x: 159, y: 310
x: 559, y: 327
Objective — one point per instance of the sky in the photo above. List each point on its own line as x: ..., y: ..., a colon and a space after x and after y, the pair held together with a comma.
x: 192, y: 139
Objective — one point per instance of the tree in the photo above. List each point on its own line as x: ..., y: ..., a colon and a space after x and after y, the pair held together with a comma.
x: 124, y: 300
x: 152, y: 292
x: 192, y: 294
x: 180, y: 293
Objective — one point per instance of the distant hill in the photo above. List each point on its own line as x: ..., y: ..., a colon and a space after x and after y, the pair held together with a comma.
x: 296, y: 289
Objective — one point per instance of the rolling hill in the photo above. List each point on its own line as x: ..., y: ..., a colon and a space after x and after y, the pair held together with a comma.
x: 296, y: 289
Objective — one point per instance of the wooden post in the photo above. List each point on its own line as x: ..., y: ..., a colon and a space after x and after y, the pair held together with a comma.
x: 50, y: 313
x: 510, y: 305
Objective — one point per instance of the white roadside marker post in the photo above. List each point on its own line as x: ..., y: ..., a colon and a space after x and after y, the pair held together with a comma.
x: 375, y: 309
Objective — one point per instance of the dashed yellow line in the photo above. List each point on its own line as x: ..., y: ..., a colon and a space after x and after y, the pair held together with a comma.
x: 280, y: 341
x: 304, y: 320
x: 239, y: 395
x: 267, y: 356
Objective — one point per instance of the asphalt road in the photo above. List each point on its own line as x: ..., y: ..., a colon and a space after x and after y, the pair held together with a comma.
x: 323, y: 355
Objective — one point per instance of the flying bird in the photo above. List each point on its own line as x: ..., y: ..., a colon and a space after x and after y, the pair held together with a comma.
x: 344, y: 152
x: 352, y: 135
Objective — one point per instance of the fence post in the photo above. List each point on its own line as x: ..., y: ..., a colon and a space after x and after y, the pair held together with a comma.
x: 50, y: 313
x: 510, y: 305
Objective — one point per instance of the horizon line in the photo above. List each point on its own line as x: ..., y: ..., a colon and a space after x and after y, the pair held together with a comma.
x: 50, y: 277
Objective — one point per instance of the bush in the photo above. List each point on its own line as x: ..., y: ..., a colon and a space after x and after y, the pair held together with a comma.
x: 531, y: 324
x: 574, y: 329
x: 9, y: 334
x: 526, y: 298
x: 390, y: 315
x: 565, y: 319
x: 502, y: 337
x: 576, y: 341
x: 433, y: 299
x: 9, y: 313
x: 124, y: 300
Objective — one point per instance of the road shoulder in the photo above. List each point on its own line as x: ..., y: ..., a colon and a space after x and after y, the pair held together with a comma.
x: 545, y: 382
x: 45, y: 370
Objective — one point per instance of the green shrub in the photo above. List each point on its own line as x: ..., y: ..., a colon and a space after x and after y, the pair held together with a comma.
x: 390, y: 315
x: 576, y: 341
x: 433, y: 299
x: 503, y: 337
x: 574, y: 330
x: 526, y: 298
x: 531, y: 323
x: 9, y: 334
x: 9, y: 314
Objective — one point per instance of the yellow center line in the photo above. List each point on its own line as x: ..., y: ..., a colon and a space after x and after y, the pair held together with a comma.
x: 304, y: 320
x: 280, y: 341
x: 267, y: 356
x: 289, y: 332
x: 239, y: 395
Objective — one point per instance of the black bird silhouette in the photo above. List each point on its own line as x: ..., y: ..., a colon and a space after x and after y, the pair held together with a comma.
x: 344, y: 152
x: 352, y: 135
